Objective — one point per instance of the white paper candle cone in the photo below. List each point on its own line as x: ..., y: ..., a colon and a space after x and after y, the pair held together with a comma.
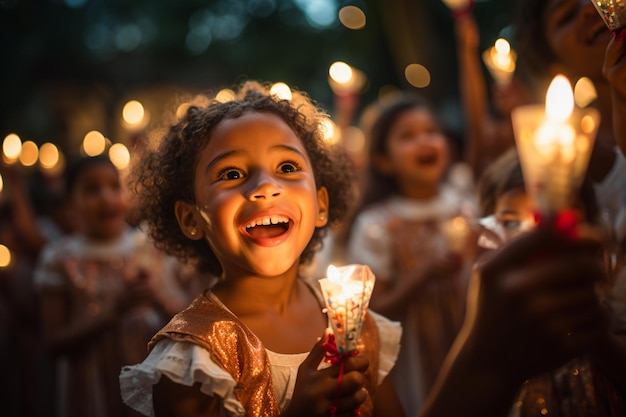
x: 347, y: 291
x: 613, y: 12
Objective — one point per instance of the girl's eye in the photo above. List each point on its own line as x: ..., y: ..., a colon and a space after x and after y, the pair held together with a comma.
x: 288, y: 167
x: 230, y: 174
x: 511, y: 224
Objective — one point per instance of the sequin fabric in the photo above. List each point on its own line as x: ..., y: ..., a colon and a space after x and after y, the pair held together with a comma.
x: 240, y: 352
x: 577, y: 389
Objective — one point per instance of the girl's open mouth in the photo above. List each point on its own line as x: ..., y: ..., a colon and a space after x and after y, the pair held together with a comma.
x: 268, y: 227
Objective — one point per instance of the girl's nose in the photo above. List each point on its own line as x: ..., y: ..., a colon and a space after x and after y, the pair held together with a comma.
x: 263, y: 186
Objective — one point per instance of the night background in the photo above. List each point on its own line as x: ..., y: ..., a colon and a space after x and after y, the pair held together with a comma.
x: 68, y: 66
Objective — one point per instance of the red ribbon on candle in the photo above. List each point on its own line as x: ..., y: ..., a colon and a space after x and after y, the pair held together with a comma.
x: 564, y: 222
x: 334, y: 356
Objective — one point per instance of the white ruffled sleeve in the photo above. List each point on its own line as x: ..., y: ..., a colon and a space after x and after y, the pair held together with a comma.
x: 183, y: 363
x: 389, y: 333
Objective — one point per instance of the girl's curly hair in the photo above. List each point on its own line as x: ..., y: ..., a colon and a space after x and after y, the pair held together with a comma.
x: 165, y: 174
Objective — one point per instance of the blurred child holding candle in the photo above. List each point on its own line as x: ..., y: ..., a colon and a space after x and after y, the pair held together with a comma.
x: 487, y: 106
x: 570, y: 37
x: 581, y: 387
x: 104, y: 292
x: 400, y: 232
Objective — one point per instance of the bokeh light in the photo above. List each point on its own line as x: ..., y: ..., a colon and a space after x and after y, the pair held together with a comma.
x: 225, y: 95
x: 5, y: 256
x: 340, y: 72
x: 30, y: 154
x: 502, y: 46
x: 584, y: 92
x: 330, y: 133
x: 133, y: 112
x: 11, y: 146
x: 353, y: 139
x: 1, y: 183
x: 281, y: 90
x: 352, y: 17
x: 119, y: 155
x: 94, y: 143
x: 48, y: 155
x: 417, y: 75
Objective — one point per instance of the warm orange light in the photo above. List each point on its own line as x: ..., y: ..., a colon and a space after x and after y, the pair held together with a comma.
x: 133, y: 112
x: 584, y: 92
x: 417, y: 75
x: 225, y: 95
x: 329, y: 130
x: 352, y: 17
x: 559, y: 99
x: 5, y: 256
x: 12, y: 146
x: 94, y: 143
x: 29, y: 154
x: 119, y: 155
x: 281, y: 90
x: 48, y: 155
x: 340, y: 72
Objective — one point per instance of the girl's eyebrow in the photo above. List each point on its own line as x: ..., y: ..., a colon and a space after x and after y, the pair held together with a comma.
x: 233, y: 152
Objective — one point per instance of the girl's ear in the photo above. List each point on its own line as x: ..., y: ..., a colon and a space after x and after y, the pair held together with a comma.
x: 322, y: 207
x: 186, y: 214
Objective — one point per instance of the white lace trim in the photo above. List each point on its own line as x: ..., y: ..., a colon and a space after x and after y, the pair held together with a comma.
x: 389, y: 334
x: 183, y: 363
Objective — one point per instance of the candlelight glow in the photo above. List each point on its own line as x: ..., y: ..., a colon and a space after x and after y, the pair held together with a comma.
x: 281, y: 90
x: 352, y: 17
x: 559, y: 99
x: 119, y: 155
x: 30, y: 154
x: 584, y: 92
x: 554, y: 142
x: 94, y: 143
x: 330, y: 133
x: 502, y: 46
x: 225, y: 95
x: 417, y: 75
x: 133, y: 112
x: 500, y: 61
x: 48, y: 155
x: 347, y: 291
x: 12, y: 146
x: 340, y: 72
x: 5, y: 256
x: 1, y: 183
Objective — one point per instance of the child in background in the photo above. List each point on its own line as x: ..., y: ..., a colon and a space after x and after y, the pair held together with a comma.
x: 580, y: 387
x: 104, y: 292
x: 399, y: 232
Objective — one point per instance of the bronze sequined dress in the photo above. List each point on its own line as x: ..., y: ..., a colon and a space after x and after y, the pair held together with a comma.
x: 207, y: 344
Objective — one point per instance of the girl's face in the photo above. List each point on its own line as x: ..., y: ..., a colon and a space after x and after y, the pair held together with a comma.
x: 514, y: 212
x: 256, y: 199
x: 98, y: 201
x: 417, y: 150
x: 578, y: 37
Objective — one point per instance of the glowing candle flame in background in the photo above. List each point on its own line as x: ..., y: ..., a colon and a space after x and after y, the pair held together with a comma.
x: 554, y: 144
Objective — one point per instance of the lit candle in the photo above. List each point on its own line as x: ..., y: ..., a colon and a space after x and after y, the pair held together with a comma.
x: 500, y: 61
x: 554, y: 144
x: 347, y: 291
x: 456, y: 5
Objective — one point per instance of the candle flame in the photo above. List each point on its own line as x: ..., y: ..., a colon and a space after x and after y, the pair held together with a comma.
x: 502, y: 46
x: 559, y: 100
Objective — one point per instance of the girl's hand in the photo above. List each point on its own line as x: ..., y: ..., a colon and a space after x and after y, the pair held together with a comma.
x: 318, y: 390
